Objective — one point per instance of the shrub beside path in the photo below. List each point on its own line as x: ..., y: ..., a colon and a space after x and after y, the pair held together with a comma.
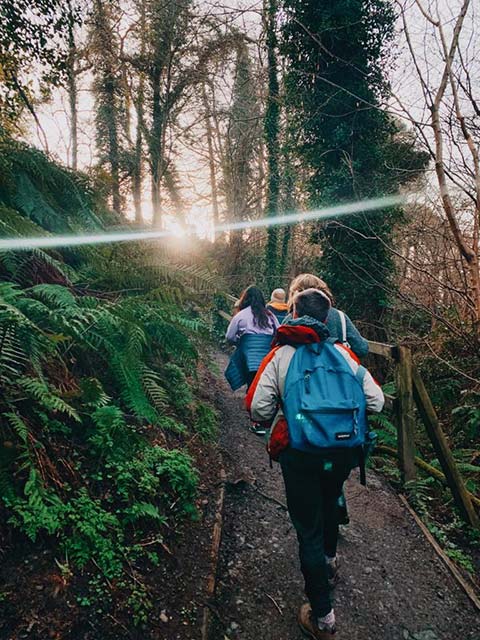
x: 393, y: 586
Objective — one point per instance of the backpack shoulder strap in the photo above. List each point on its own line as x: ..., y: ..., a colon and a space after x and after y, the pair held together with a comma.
x: 343, y: 322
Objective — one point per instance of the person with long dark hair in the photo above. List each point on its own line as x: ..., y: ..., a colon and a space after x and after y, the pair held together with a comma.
x: 251, y: 330
x: 253, y: 316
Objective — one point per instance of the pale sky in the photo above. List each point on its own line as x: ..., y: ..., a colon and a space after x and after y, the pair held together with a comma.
x: 246, y: 16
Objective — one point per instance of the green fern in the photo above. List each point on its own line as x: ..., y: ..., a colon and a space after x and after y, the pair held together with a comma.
x: 141, y: 510
x: 13, y: 359
x: 40, y: 510
x: 54, y: 295
x: 157, y: 394
x: 176, y: 383
x: 111, y: 432
x: 38, y: 390
x: 419, y: 493
x: 18, y: 425
x: 206, y: 421
x: 93, y: 393
x: 132, y: 392
x: 386, y: 430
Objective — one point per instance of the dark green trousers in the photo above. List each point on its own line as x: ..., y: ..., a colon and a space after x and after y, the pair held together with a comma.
x: 313, y: 485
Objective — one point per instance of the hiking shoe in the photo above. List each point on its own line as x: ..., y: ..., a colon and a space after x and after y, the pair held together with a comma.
x: 258, y: 429
x: 310, y: 628
x: 333, y: 566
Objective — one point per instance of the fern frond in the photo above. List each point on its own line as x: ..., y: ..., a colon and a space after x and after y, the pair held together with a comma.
x: 18, y: 425
x: 39, y: 390
x: 10, y: 292
x: 136, y: 340
x: 132, y: 392
x: 54, y: 295
x: 93, y: 394
x: 140, y: 510
x: 13, y: 359
x: 157, y: 394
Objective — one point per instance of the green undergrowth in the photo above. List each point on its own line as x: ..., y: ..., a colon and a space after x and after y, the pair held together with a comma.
x: 99, y: 396
x: 431, y: 498
x: 88, y: 386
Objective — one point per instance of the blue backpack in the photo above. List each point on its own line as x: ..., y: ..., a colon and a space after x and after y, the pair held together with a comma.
x: 323, y: 401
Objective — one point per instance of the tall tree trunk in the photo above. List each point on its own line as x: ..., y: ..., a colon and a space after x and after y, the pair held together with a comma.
x: 261, y: 178
x: 272, y: 125
x: 156, y: 150
x: 288, y: 206
x: 113, y: 151
x: 137, y: 177
x: 138, y: 161
x: 211, y: 157
x: 107, y: 91
x: 72, y: 90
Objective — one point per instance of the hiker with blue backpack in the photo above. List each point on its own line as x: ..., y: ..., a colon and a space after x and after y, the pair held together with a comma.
x: 316, y: 394
x: 340, y: 327
x: 251, y: 330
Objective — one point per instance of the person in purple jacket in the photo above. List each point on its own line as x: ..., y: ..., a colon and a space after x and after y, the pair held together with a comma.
x: 251, y: 330
x: 253, y: 317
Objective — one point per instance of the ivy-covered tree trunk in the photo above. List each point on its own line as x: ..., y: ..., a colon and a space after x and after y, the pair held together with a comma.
x: 240, y: 150
x: 211, y: 156
x: 288, y: 205
x: 272, y: 126
x: 137, y: 173
x: 156, y: 149
x: 337, y: 55
x: 137, y: 177
x: 168, y: 22
x: 107, y: 95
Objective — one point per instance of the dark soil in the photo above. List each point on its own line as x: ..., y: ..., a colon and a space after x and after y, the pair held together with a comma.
x: 393, y: 585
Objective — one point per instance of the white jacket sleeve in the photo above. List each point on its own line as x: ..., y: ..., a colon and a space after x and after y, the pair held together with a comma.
x: 373, y: 393
x: 267, y: 394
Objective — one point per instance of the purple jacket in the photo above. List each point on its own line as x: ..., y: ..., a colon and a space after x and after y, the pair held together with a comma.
x: 244, y: 322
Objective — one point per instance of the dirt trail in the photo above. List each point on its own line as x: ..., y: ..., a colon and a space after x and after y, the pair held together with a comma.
x: 393, y: 585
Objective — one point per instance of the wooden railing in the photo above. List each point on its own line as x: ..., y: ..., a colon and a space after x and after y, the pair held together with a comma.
x: 411, y: 392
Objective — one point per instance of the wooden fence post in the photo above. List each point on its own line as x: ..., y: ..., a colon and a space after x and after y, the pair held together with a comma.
x: 442, y: 451
x: 404, y: 413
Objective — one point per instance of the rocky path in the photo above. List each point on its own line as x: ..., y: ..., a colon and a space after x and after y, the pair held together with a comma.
x: 393, y: 585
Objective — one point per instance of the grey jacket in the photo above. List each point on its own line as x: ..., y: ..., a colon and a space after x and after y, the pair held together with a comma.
x: 357, y: 343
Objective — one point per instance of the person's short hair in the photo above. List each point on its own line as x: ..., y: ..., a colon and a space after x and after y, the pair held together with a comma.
x: 312, y: 302
x: 278, y: 295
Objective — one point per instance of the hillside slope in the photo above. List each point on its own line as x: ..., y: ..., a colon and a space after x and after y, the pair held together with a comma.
x: 104, y: 443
